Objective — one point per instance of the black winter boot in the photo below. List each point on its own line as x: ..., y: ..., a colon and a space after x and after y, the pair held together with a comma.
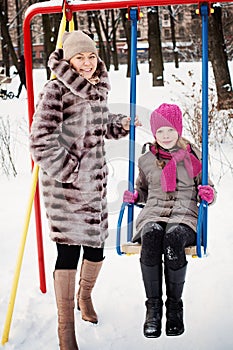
x: 152, y: 278
x: 174, y: 283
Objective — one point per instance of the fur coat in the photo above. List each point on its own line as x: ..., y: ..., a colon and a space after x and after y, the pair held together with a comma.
x: 67, y: 142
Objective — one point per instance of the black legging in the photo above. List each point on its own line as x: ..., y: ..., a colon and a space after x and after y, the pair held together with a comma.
x: 158, y: 239
x: 68, y: 256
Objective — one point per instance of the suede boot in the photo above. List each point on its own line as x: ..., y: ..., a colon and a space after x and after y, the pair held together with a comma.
x: 64, y: 285
x: 175, y: 280
x: 152, y: 278
x: 88, y: 276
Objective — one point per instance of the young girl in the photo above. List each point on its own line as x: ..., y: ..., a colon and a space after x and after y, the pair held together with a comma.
x: 67, y: 141
x: 169, y: 185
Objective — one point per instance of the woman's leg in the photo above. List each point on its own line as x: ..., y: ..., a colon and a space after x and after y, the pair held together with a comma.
x: 67, y: 256
x: 91, y: 265
x: 151, y: 267
x: 176, y: 239
x: 64, y: 286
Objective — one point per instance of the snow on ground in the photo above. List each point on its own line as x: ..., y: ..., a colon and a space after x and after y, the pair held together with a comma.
x: 119, y: 294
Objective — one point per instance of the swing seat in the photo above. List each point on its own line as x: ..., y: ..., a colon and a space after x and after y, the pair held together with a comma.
x: 135, y: 248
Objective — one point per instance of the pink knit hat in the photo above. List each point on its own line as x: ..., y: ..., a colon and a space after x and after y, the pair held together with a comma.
x: 166, y: 115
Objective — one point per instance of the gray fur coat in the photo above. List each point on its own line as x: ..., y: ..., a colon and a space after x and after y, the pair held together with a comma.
x: 67, y: 142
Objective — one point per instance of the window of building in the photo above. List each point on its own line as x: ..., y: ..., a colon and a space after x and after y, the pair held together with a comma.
x: 180, y: 17
x: 167, y: 33
x: 81, y: 21
x: 166, y: 16
x: 181, y: 32
x: 122, y: 34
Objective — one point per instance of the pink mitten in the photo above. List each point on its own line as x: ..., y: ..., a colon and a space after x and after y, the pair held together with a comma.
x: 130, y: 197
x: 206, y: 192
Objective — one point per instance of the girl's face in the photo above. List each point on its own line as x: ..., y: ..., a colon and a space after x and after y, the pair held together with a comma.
x: 166, y: 137
x: 85, y: 64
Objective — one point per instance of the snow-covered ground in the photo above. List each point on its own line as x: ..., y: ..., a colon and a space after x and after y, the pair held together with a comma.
x: 119, y: 295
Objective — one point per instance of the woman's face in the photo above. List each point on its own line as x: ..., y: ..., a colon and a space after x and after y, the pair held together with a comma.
x: 85, y: 64
x: 166, y: 137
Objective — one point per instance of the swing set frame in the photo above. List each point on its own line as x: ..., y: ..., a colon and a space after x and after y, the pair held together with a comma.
x: 69, y: 7
x: 133, y: 6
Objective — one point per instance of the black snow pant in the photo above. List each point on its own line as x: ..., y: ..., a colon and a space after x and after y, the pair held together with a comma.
x: 169, y: 240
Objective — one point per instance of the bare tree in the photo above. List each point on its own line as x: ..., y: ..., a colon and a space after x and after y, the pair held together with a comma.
x: 173, y: 34
x: 218, y: 57
x: 8, y: 48
x: 155, y: 51
x: 114, y: 23
x: 6, y: 156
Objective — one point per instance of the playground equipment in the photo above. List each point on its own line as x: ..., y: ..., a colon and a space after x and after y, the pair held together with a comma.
x: 68, y: 7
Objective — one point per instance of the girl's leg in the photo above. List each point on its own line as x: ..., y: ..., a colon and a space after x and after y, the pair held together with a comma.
x: 176, y: 239
x: 151, y: 267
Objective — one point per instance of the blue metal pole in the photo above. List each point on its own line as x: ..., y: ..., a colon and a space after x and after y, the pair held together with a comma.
x: 133, y: 66
x: 203, y: 209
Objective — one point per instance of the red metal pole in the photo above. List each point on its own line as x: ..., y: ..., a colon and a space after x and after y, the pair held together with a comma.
x: 49, y: 7
x: 30, y: 94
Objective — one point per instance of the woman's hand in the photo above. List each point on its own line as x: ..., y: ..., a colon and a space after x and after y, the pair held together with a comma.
x: 126, y: 122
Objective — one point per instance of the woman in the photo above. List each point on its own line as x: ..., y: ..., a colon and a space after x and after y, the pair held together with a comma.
x: 169, y: 186
x: 67, y: 141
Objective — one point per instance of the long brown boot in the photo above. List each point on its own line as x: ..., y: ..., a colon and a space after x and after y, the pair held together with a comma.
x: 88, y: 276
x: 64, y: 286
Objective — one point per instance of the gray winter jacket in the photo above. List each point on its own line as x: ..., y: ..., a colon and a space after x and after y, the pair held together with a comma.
x: 179, y: 206
x: 67, y: 141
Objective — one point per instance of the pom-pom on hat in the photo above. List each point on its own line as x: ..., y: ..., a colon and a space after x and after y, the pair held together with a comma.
x: 166, y: 115
x: 76, y: 42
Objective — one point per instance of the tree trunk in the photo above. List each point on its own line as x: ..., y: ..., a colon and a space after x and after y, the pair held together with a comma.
x: 173, y: 34
x: 19, y: 20
x: 48, y: 45
x: 218, y: 58
x: 102, y: 51
x: 126, y: 26
x: 105, y: 28
x: 8, y: 48
x: 114, y: 46
x: 155, y: 51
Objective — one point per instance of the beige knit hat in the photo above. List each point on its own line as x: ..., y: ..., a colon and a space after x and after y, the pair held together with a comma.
x: 76, y: 42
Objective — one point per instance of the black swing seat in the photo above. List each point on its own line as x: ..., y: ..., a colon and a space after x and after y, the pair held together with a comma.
x: 135, y: 248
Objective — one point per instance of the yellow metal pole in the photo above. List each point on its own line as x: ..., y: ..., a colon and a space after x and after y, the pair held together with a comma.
x: 20, y: 257
x: 71, y: 25
x: 61, y: 31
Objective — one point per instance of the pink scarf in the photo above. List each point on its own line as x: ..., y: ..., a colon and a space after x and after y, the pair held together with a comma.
x: 168, y: 176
